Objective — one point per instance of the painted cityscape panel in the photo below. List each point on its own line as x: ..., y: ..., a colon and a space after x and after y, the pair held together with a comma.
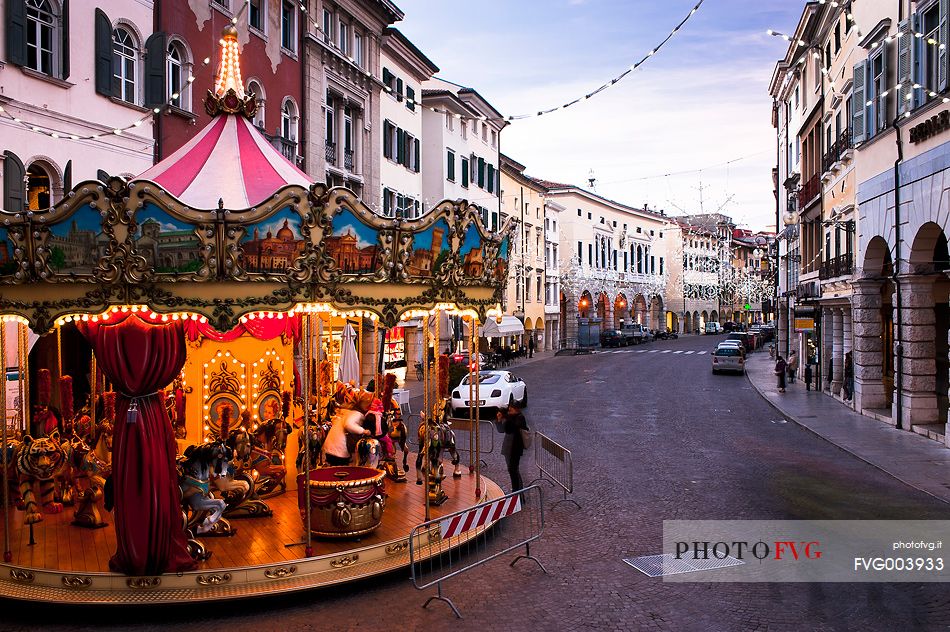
x: 77, y: 244
x: 274, y: 244
x: 431, y: 248
x: 353, y: 245
x: 473, y: 256
x: 168, y: 245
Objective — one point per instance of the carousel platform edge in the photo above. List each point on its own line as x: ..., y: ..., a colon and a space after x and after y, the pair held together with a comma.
x: 63, y: 587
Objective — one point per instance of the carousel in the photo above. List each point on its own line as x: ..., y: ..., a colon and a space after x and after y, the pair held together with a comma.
x: 196, y: 405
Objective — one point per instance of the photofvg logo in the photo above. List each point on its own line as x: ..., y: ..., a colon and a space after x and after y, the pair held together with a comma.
x: 743, y: 550
x: 805, y: 551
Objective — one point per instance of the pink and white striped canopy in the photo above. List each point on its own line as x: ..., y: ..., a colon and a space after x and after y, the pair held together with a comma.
x: 228, y: 159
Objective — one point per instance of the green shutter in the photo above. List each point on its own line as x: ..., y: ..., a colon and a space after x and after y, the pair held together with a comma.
x: 103, y: 38
x: 465, y: 174
x: 64, y: 42
x: 417, y: 149
x: 399, y: 89
x: 905, y: 45
x: 14, y: 197
x: 400, y: 146
x: 156, y: 47
x: 16, y: 34
x: 859, y: 103
x: 386, y: 206
x: 882, y: 110
x: 410, y: 98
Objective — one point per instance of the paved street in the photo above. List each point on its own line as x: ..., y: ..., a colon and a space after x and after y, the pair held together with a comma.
x: 655, y: 436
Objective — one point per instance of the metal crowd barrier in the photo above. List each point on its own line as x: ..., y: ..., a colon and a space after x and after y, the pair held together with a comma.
x: 459, y: 425
x: 452, y: 544
x: 555, y: 465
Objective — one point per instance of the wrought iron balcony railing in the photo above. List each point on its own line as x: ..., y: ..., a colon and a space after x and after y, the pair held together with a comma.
x: 331, y: 153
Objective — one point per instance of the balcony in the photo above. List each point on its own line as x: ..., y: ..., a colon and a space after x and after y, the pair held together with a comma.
x: 842, y: 265
x: 809, y: 192
x: 348, y: 159
x: 331, y: 153
x: 836, y: 153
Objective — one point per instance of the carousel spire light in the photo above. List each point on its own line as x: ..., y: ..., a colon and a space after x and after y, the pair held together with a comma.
x: 229, y: 71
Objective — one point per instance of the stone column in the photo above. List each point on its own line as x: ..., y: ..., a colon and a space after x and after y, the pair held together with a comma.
x: 570, y: 318
x: 867, y: 328
x: 827, y: 346
x: 837, y: 351
x: 608, y: 315
x: 782, y: 340
x: 918, y: 361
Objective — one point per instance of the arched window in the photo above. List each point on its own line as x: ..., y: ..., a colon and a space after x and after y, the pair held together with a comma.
x: 42, y: 38
x: 255, y: 87
x: 175, y: 73
x: 38, y: 188
x: 124, y: 60
x: 288, y: 122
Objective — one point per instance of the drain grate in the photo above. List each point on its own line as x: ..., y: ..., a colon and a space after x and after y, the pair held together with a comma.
x: 667, y: 564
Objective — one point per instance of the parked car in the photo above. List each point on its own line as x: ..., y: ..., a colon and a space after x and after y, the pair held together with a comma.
x: 463, y: 358
x: 747, y: 340
x: 728, y: 358
x: 635, y: 333
x: 729, y: 326
x: 732, y: 344
x: 713, y: 329
x: 612, y: 338
x: 494, y: 390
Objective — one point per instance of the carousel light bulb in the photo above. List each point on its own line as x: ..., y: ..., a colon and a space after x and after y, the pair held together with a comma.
x: 206, y: 427
x: 125, y: 309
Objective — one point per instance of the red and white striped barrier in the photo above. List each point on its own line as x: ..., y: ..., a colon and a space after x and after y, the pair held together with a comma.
x: 478, y: 517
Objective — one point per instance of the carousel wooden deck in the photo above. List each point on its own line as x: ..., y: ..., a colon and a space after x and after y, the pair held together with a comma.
x: 255, y: 561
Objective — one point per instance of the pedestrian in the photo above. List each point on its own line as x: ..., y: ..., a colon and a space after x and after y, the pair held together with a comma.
x: 848, y: 376
x: 780, y: 371
x: 531, y: 347
x: 513, y: 424
x: 809, y: 363
x: 792, y: 366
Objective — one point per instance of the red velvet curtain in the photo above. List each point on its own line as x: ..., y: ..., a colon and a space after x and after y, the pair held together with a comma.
x: 140, y: 358
x: 260, y: 328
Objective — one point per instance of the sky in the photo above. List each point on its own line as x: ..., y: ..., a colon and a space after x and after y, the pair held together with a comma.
x: 701, y: 101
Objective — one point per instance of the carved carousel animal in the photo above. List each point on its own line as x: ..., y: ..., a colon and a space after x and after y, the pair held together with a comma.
x: 11, y: 449
x: 396, y: 431
x: 258, y: 464
x: 96, y: 466
x: 198, y: 464
x: 440, y: 438
x: 39, y: 462
x: 317, y: 435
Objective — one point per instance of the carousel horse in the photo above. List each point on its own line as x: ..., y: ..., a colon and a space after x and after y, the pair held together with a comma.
x: 39, y: 462
x: 96, y: 465
x: 13, y: 489
x: 317, y: 435
x: 399, y: 435
x: 395, y: 430
x: 429, y: 462
x: 241, y: 500
x: 269, y: 476
x: 198, y: 464
x: 368, y: 452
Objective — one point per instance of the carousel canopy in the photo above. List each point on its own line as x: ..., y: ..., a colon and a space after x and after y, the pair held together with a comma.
x: 229, y: 159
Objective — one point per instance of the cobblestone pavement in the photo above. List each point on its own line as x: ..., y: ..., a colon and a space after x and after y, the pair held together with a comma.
x: 655, y: 436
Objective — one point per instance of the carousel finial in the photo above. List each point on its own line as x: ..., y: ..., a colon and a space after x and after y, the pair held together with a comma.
x: 228, y: 95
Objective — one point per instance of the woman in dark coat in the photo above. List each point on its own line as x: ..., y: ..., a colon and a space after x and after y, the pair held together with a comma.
x: 780, y: 371
x: 512, y: 447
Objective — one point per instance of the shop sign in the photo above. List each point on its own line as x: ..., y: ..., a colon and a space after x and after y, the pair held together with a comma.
x: 931, y: 127
x: 804, y: 324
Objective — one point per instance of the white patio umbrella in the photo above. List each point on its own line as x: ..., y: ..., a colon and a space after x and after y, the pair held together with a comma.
x: 349, y: 362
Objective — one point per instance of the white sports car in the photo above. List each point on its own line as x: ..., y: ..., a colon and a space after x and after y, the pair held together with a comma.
x: 494, y: 389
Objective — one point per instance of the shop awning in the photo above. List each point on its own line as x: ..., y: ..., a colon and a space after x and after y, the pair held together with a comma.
x: 509, y: 326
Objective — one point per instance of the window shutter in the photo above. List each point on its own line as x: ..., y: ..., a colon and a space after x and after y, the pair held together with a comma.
x: 103, y: 54
x: 410, y: 98
x: 418, y: 152
x: 68, y: 176
x: 386, y: 207
x: 882, y: 104
x: 387, y: 140
x: 155, y: 50
x: 905, y: 46
x: 943, y: 34
x: 399, y: 89
x: 491, y: 179
x: 13, y: 172
x: 481, y: 172
x: 473, y: 166
x: 16, y: 32
x: 64, y: 32
x: 400, y: 146
x: 859, y: 116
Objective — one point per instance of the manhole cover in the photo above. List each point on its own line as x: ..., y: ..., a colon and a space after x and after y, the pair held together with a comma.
x: 667, y: 564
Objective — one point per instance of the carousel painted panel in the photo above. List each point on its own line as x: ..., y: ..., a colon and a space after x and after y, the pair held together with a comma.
x: 69, y: 244
x: 355, y: 246
x: 472, y: 254
x: 169, y: 247
x: 428, y: 251
x: 14, y: 264
x: 271, y: 247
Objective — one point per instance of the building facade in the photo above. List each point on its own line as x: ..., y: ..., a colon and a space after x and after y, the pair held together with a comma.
x: 72, y: 97
x: 874, y: 233
x: 404, y: 69
x: 552, y: 273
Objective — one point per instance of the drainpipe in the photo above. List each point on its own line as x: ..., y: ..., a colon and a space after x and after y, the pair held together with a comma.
x: 157, y: 150
x: 898, y: 299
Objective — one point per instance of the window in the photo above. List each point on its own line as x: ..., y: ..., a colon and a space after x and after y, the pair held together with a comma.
x: 828, y: 56
x: 411, y: 99
x: 41, y: 27
x: 358, y: 49
x: 494, y: 138
x: 254, y: 87
x: 538, y: 285
x: 876, y: 86
x: 590, y: 216
x: 450, y: 122
x: 348, y: 161
x: 838, y: 37
x: 124, y: 54
x: 389, y: 139
x: 224, y: 4
x: 174, y: 72
x: 797, y: 97
x: 465, y: 172
x: 652, y: 264
x: 255, y: 14
x: 344, y: 38
x: 590, y: 254
x: 578, y: 212
x: 328, y: 26
x: 288, y: 122
x: 288, y: 25
x: 491, y: 178
x: 527, y: 289
x: 580, y: 251
x: 450, y: 165
x: 927, y: 67
x: 484, y: 132
x: 38, y: 188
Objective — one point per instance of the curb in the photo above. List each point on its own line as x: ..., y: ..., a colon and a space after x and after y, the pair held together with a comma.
x: 838, y: 445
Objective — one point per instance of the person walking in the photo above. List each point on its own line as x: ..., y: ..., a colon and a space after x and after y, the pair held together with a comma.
x: 781, y: 369
x: 531, y: 347
x: 792, y: 366
x: 512, y: 423
x: 848, y: 376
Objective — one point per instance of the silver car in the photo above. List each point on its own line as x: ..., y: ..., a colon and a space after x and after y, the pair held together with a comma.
x: 727, y: 358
